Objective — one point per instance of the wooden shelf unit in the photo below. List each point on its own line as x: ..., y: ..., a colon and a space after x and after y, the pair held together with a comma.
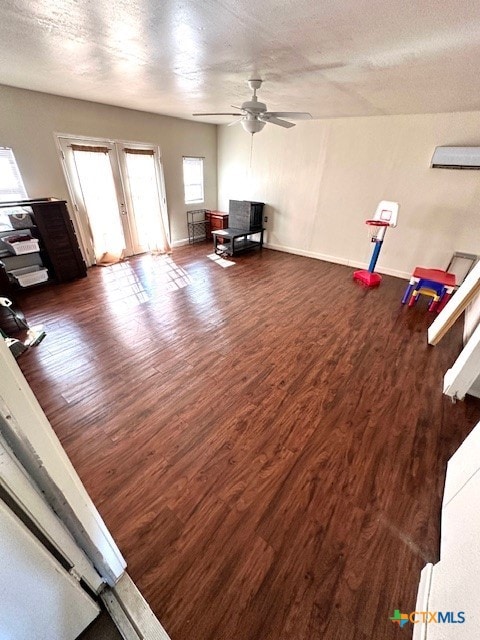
x: 48, y: 221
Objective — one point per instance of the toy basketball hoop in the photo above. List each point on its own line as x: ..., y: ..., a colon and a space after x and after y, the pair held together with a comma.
x: 374, y: 227
x: 385, y: 216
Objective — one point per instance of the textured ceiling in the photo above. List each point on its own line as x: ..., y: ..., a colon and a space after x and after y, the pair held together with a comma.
x: 332, y: 58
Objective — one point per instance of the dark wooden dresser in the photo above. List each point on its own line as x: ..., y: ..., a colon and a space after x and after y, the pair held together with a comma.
x: 59, y: 239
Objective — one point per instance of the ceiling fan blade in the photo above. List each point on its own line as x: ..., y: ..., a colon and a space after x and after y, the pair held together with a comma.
x: 234, y: 122
x: 271, y: 120
x: 216, y: 114
x: 292, y: 115
x: 235, y: 107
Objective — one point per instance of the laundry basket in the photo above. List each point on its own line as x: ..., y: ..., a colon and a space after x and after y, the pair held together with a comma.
x: 28, y: 276
x: 20, y: 247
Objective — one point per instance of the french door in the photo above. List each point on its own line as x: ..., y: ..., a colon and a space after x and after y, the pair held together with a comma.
x: 119, y: 195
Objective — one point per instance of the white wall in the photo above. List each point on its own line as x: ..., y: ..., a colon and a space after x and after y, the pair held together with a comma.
x: 29, y: 119
x: 323, y: 178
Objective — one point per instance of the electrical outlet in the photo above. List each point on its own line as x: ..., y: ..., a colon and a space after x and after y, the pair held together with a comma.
x: 265, y: 219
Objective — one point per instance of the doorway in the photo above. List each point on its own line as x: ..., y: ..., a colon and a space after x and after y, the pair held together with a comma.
x: 119, y: 197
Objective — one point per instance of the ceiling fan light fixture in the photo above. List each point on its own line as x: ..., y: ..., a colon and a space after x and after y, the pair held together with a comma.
x: 253, y: 126
x: 254, y: 115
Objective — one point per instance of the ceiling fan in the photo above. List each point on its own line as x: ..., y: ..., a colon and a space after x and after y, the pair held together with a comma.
x: 254, y: 116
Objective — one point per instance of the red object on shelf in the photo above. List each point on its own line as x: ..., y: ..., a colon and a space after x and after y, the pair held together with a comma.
x: 367, y: 278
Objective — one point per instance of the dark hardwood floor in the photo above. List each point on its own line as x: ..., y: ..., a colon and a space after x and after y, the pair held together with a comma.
x: 267, y: 443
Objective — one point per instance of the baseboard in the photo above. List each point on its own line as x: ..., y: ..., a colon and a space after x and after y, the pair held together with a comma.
x: 336, y: 259
x: 180, y: 243
x: 319, y: 256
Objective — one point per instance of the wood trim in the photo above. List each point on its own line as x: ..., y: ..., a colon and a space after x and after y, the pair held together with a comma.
x: 455, y: 306
x: 139, y: 152
x: 131, y: 613
x: 91, y: 148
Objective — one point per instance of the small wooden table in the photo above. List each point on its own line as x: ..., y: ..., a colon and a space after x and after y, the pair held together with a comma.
x: 235, y: 240
x: 217, y: 220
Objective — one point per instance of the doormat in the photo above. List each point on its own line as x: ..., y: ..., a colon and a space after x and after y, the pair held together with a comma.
x: 219, y: 260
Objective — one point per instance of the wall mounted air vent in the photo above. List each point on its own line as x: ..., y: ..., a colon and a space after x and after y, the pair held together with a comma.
x: 456, y: 158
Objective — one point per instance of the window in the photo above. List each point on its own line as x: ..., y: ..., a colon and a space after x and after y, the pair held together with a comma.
x: 193, y: 179
x: 11, y: 183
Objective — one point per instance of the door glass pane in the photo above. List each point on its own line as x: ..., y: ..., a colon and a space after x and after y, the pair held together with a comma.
x: 98, y: 189
x: 144, y: 193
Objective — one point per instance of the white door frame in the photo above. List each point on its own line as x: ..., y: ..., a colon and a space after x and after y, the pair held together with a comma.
x: 30, y: 436
x: 80, y: 218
